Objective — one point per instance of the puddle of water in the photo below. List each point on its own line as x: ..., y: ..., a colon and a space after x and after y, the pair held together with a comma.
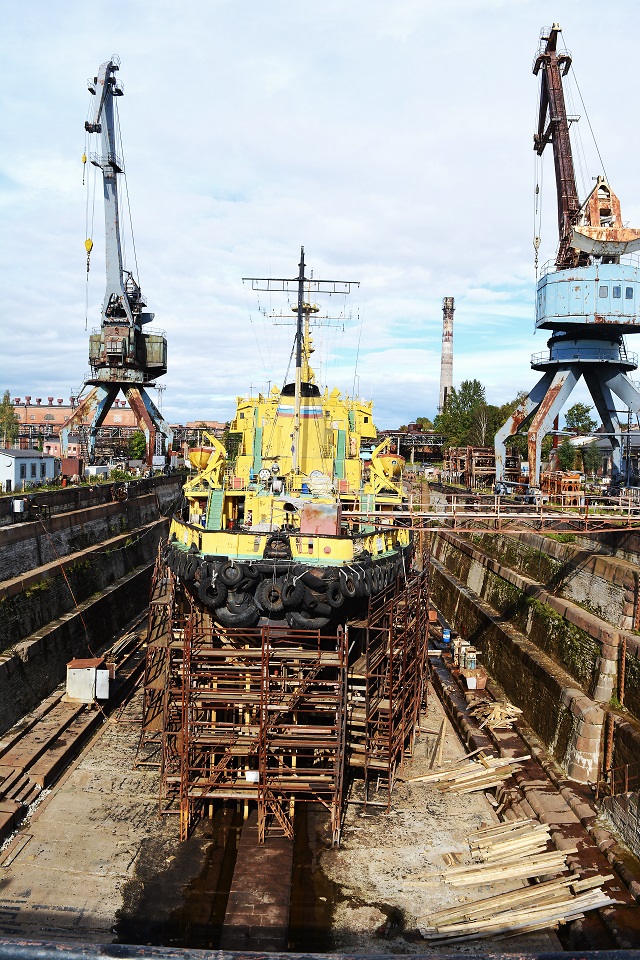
x: 197, y: 922
x: 313, y: 895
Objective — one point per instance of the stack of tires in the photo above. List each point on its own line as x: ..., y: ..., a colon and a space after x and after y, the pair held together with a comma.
x: 240, y: 592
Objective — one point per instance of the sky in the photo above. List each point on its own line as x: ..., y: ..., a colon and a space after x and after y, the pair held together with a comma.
x: 392, y: 140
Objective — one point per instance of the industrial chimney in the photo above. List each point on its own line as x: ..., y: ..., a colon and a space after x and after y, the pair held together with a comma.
x: 446, y: 361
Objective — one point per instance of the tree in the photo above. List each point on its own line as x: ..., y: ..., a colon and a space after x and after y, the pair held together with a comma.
x: 424, y: 423
x: 566, y: 454
x: 137, y: 446
x: 591, y: 458
x: 9, y: 420
x: 456, y: 422
x: 577, y: 418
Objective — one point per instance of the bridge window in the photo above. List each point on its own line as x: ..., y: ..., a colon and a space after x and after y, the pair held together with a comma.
x: 628, y: 293
x: 616, y: 292
x: 603, y: 292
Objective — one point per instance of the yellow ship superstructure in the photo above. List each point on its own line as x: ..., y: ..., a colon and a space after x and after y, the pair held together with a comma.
x: 263, y: 533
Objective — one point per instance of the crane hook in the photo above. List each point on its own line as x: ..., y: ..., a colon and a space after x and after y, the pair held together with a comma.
x: 88, y: 245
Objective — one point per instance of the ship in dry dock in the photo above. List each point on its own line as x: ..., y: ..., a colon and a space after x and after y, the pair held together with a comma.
x: 288, y: 624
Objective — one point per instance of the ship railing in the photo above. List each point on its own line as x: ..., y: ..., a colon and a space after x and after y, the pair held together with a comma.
x: 584, y: 353
x: 626, y: 259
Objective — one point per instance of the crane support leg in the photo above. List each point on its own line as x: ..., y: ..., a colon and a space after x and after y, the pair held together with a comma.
x: 149, y: 419
x: 606, y: 407
x: 560, y: 389
x: 92, y: 409
x: 519, y: 419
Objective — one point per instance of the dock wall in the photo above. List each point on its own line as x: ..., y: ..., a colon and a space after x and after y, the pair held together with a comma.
x: 559, y: 662
x: 70, y: 582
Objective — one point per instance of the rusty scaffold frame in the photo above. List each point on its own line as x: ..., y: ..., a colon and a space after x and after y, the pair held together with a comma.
x: 388, y: 681
x: 273, y: 716
x: 253, y: 715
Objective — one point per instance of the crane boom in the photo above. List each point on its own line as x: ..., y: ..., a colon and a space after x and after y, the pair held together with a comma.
x: 553, y: 127
x: 123, y: 298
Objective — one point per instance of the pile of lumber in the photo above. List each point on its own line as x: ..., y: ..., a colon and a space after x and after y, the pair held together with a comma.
x: 515, y: 850
x: 467, y: 775
x: 539, y: 906
x: 494, y: 715
x: 521, y: 837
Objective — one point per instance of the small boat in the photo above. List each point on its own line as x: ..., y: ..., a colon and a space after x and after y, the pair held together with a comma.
x: 301, y: 517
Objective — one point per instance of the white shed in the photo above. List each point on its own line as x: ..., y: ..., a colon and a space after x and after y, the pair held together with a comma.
x: 21, y: 469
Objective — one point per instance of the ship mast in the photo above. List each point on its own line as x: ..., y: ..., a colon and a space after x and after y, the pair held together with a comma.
x: 299, y: 285
x: 298, y: 393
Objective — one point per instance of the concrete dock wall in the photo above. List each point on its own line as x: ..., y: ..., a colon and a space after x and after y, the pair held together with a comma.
x: 72, y: 581
x: 569, y: 723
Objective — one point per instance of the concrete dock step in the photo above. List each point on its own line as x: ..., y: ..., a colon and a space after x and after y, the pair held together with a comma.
x: 64, y: 747
x: 9, y: 816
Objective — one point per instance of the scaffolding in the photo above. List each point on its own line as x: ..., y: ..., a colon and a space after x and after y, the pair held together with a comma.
x: 276, y: 717
x: 387, y: 681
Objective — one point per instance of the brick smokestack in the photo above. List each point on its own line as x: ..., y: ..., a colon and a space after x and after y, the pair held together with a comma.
x: 446, y: 361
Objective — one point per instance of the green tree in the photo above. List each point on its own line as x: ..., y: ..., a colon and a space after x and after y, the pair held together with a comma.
x: 458, y: 419
x: 591, y: 458
x: 9, y: 421
x: 137, y: 446
x: 566, y: 454
x: 577, y: 418
x: 424, y: 423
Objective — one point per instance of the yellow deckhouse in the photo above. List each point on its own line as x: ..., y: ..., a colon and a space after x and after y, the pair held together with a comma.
x: 262, y: 532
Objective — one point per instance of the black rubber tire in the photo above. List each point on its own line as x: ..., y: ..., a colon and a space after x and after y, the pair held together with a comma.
x: 299, y: 620
x: 348, y: 583
x: 166, y: 553
x: 247, y: 617
x: 314, y: 583
x: 231, y: 573
x: 292, y: 593
x: 334, y: 595
x: 251, y: 572
x: 212, y: 592
x: 269, y: 597
x: 316, y: 606
x: 190, y: 566
x: 366, y: 582
x: 239, y: 600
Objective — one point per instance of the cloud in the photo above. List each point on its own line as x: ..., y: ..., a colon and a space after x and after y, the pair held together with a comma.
x: 393, y: 142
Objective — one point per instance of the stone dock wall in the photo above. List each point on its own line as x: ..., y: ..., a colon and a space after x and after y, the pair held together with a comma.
x: 70, y: 582
x: 551, y: 620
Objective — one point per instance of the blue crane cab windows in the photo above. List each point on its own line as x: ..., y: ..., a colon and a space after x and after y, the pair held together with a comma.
x: 603, y: 292
x: 616, y: 292
x: 628, y: 293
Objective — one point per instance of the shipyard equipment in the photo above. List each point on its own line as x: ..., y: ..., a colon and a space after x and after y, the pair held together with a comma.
x: 589, y: 298
x: 122, y: 357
